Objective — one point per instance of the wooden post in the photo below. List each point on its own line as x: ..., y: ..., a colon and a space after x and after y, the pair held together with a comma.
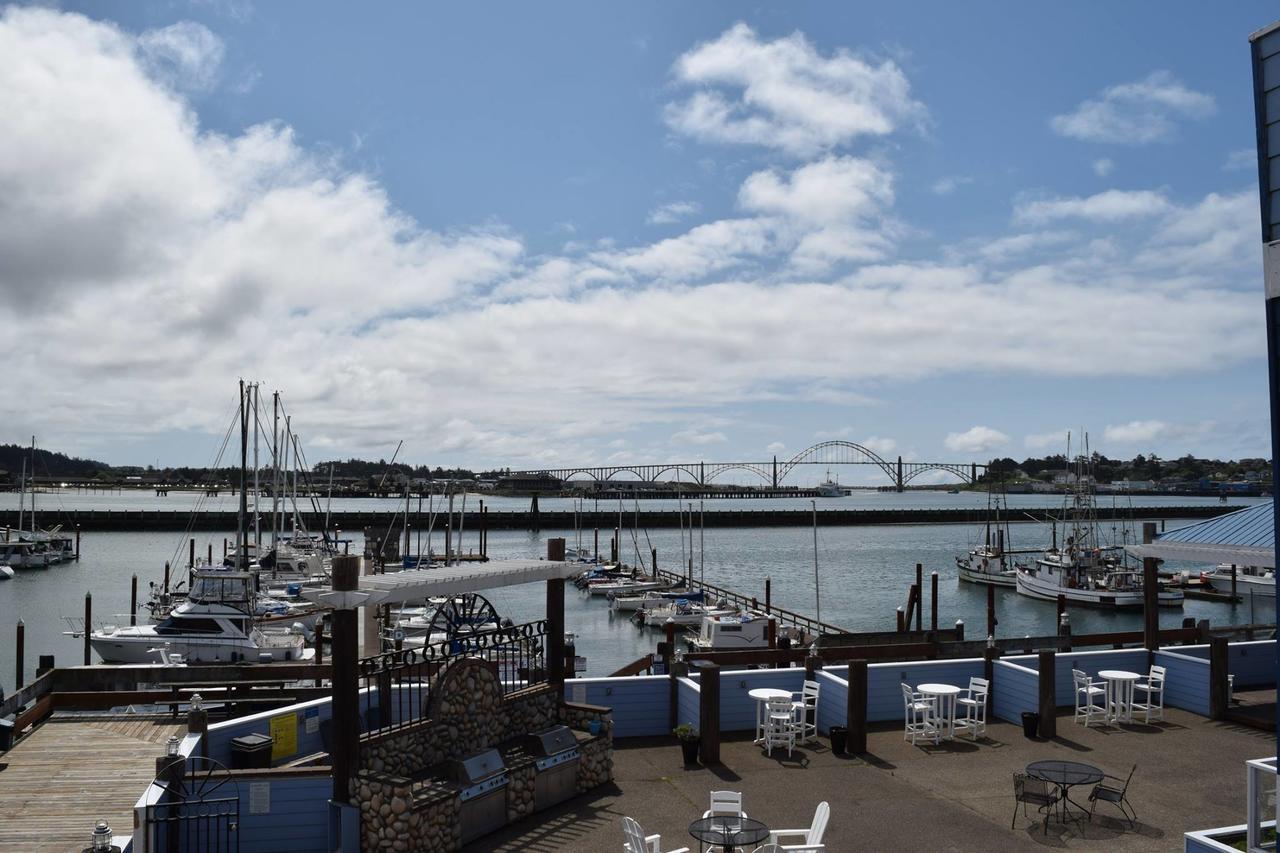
x: 484, y: 530
x: 933, y: 602
x: 771, y: 632
x: 709, y: 712
x: 345, y: 573
x: 191, y: 554
x: 856, y: 708
x: 44, y: 664
x: 88, y: 624
x: 1048, y: 700
x: 919, y: 597
x: 811, y: 664
x: 989, y: 658
x: 20, y: 649
x: 902, y: 620
x: 653, y: 560
x: 991, y: 610
x: 209, y: 559
x: 959, y: 630
x: 555, y: 636
x: 133, y: 601
x: 673, y: 684
x: 1218, y: 694
x: 77, y: 542
x: 1150, y: 605
x: 166, y: 574
x: 1062, y: 606
x: 597, y: 546
x: 768, y: 594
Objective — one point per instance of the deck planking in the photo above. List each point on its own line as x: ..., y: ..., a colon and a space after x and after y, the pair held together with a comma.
x: 58, y: 781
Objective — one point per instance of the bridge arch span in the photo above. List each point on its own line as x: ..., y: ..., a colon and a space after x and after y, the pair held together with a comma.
x: 915, y: 470
x: 716, y: 470
x: 838, y: 453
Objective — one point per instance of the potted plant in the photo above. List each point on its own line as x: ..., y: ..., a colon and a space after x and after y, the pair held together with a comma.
x: 689, y: 740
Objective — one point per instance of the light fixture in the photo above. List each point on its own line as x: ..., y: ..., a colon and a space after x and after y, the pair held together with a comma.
x: 197, y: 704
x: 991, y: 641
x: 1064, y: 620
x: 101, y: 838
x: 171, y: 748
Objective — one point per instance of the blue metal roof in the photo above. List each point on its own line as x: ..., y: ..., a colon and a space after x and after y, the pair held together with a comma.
x: 1245, y: 537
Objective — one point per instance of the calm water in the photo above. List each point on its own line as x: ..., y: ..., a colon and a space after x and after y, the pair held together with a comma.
x: 864, y: 573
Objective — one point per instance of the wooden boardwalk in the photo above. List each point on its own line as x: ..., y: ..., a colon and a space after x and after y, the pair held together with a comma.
x: 69, y: 773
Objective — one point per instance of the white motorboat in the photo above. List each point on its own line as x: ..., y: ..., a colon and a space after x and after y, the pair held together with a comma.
x: 5, y: 572
x: 25, y: 554
x: 627, y: 587
x: 683, y: 614
x: 1250, y: 580
x: 730, y: 633
x: 650, y: 598
x: 214, y: 625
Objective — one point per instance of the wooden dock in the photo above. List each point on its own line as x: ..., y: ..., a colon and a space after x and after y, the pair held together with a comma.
x: 71, y: 772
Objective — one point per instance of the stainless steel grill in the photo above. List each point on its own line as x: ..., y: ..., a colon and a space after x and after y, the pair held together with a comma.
x: 483, y: 807
x: 557, y: 760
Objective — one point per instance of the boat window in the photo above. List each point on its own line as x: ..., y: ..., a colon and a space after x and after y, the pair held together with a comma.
x: 188, y: 625
x: 730, y: 627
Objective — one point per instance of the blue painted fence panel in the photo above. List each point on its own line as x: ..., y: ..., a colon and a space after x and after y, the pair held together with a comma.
x: 640, y: 703
x: 687, y: 703
x: 833, y: 699
x: 298, y: 818
x: 884, y: 682
x: 737, y: 708
x: 1016, y: 689
x: 1252, y: 663
x: 1186, y: 681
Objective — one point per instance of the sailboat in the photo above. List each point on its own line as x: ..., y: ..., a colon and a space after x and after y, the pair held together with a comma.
x: 1083, y: 570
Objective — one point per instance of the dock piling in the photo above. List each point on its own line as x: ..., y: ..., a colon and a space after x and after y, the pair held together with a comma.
x: 166, y: 575
x: 133, y: 601
x: 933, y: 601
x: 902, y: 620
x: 77, y: 543
x: 768, y: 594
x: 45, y: 664
x: 919, y: 594
x: 20, y: 649
x: 191, y: 553
x: 88, y: 624
x: 992, y: 621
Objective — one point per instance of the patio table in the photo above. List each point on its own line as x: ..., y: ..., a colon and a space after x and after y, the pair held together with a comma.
x: 945, y: 716
x: 1066, y: 775
x: 1119, y: 694
x: 762, y: 695
x: 728, y: 831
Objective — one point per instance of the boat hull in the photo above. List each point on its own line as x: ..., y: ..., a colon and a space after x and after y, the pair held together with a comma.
x: 1005, y: 578
x: 1034, y: 586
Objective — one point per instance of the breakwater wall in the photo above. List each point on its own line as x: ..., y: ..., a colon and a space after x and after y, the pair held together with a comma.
x: 129, y: 520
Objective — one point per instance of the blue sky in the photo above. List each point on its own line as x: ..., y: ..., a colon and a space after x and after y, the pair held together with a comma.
x: 582, y: 232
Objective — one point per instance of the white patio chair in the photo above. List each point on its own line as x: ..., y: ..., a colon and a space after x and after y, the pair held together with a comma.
x: 805, y: 707
x: 974, y: 703
x: 638, y: 842
x: 809, y: 840
x: 768, y: 848
x: 1153, y: 687
x: 1086, y: 691
x: 779, y: 725
x: 920, y: 712
x: 725, y: 804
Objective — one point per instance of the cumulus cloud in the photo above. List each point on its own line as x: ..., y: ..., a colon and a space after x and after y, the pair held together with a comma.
x: 1147, y: 110
x: 1148, y: 432
x: 1241, y: 160
x: 946, y: 186
x: 186, y: 54
x: 675, y: 211
x: 1108, y: 206
x: 775, y: 447
x: 249, y: 255
x: 693, y: 436
x: 977, y: 439
x: 1050, y: 439
x: 785, y: 94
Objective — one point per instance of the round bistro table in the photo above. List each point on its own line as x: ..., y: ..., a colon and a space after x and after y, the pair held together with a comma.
x: 1120, y: 684
x: 762, y: 695
x: 1066, y: 775
x: 728, y: 832
x: 945, y: 716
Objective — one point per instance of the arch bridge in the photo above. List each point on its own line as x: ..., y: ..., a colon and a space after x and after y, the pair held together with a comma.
x: 775, y: 472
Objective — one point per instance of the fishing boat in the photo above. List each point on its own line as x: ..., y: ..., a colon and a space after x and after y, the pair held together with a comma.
x: 24, y: 554
x: 829, y: 488
x: 1250, y: 580
x: 1083, y: 570
x: 990, y: 563
x: 216, y: 624
x: 730, y: 633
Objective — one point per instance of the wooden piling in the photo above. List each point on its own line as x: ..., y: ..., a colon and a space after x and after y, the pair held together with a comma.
x: 919, y: 596
x: 653, y: 559
x: 20, y: 651
x: 768, y: 594
x: 133, y: 601
x: 88, y: 624
x: 597, y: 545
x: 166, y: 575
x: 1219, y: 696
x: 1048, y: 700
x: 811, y: 665
x: 191, y: 554
x: 709, y: 712
x: 902, y: 620
x: 77, y: 542
x: 346, y: 724
x: 991, y: 610
x: 933, y: 601
x: 209, y: 558
x: 555, y: 635
x: 856, y: 708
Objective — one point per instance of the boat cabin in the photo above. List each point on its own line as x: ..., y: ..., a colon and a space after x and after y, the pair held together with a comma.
x: 729, y: 633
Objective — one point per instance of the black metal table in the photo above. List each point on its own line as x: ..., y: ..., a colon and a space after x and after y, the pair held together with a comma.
x: 728, y: 832
x: 1066, y: 775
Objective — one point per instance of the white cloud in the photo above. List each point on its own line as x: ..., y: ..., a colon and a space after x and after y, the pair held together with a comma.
x: 977, y: 439
x: 948, y: 185
x: 673, y: 212
x: 1108, y: 206
x: 186, y: 54
x: 1103, y: 166
x: 785, y: 94
x: 1003, y: 248
x: 1240, y: 160
x: 1135, y: 113
x: 775, y: 447
x: 1050, y: 439
x: 881, y: 446
x: 1155, y: 432
x: 693, y: 436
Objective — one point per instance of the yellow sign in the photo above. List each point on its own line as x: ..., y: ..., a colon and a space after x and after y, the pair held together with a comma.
x: 284, y: 735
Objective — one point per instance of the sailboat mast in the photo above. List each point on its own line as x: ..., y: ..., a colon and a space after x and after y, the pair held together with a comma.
x: 817, y: 593
x: 275, y: 467
x: 241, y: 530
x: 257, y: 521
x: 33, y: 487
x: 702, y: 542
x: 22, y: 496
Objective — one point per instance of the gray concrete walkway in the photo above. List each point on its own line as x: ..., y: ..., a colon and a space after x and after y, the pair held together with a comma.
x: 957, y: 796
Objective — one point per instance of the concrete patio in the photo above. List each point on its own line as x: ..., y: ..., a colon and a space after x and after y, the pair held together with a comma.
x: 957, y: 796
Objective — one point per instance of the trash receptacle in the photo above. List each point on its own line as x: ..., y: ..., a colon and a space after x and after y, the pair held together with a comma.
x: 251, y: 752
x: 1030, y: 723
x: 839, y: 739
x: 6, y: 735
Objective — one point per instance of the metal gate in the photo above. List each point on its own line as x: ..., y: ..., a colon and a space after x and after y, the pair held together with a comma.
x: 200, y: 813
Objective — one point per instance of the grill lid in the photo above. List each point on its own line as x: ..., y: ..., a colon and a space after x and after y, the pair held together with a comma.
x: 553, y: 740
x: 478, y: 766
